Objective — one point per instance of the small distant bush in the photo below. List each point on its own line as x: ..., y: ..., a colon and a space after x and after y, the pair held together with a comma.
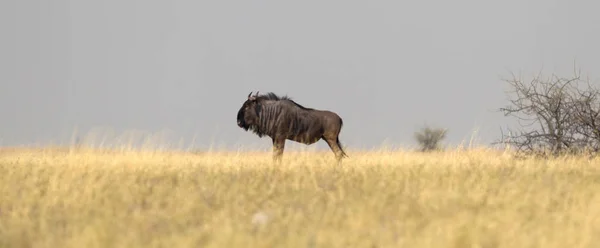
x: 429, y: 138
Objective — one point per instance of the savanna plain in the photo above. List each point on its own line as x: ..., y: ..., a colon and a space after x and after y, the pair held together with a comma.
x: 381, y: 198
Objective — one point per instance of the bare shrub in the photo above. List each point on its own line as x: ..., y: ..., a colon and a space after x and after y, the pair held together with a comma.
x: 557, y: 115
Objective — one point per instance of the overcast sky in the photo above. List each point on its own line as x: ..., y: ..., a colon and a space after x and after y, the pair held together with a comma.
x: 386, y: 67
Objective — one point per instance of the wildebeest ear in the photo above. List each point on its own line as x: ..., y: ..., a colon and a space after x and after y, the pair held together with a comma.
x: 252, y: 98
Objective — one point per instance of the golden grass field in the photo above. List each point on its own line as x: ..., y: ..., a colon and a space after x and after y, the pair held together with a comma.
x: 457, y: 198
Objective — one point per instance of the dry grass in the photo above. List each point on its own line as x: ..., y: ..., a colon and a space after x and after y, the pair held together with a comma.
x: 54, y: 198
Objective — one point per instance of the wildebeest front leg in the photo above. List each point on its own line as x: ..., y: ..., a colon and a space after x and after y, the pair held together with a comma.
x: 278, y: 146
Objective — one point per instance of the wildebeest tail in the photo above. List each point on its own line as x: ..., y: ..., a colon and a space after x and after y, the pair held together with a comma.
x: 342, y: 149
x: 338, y: 140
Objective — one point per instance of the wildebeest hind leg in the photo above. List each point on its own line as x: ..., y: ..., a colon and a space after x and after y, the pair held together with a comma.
x: 337, y: 150
x: 278, y: 147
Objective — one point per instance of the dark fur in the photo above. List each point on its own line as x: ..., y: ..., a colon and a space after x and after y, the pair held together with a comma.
x: 283, y: 119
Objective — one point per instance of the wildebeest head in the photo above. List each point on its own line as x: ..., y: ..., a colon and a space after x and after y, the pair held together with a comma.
x: 247, y: 116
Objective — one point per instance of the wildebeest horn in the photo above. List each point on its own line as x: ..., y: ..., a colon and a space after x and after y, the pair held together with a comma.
x: 255, y: 95
x: 249, y: 94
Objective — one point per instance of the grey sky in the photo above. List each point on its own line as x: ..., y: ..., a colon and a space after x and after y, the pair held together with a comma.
x: 386, y: 67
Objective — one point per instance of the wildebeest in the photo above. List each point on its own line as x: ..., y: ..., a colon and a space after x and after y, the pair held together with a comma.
x: 281, y: 119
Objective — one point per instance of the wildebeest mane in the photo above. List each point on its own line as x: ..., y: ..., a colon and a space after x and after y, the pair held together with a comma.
x: 273, y: 97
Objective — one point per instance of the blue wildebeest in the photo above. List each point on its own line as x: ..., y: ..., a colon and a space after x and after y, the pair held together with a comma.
x: 281, y: 119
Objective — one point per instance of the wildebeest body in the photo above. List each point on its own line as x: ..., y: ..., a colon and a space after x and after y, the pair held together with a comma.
x: 281, y: 118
